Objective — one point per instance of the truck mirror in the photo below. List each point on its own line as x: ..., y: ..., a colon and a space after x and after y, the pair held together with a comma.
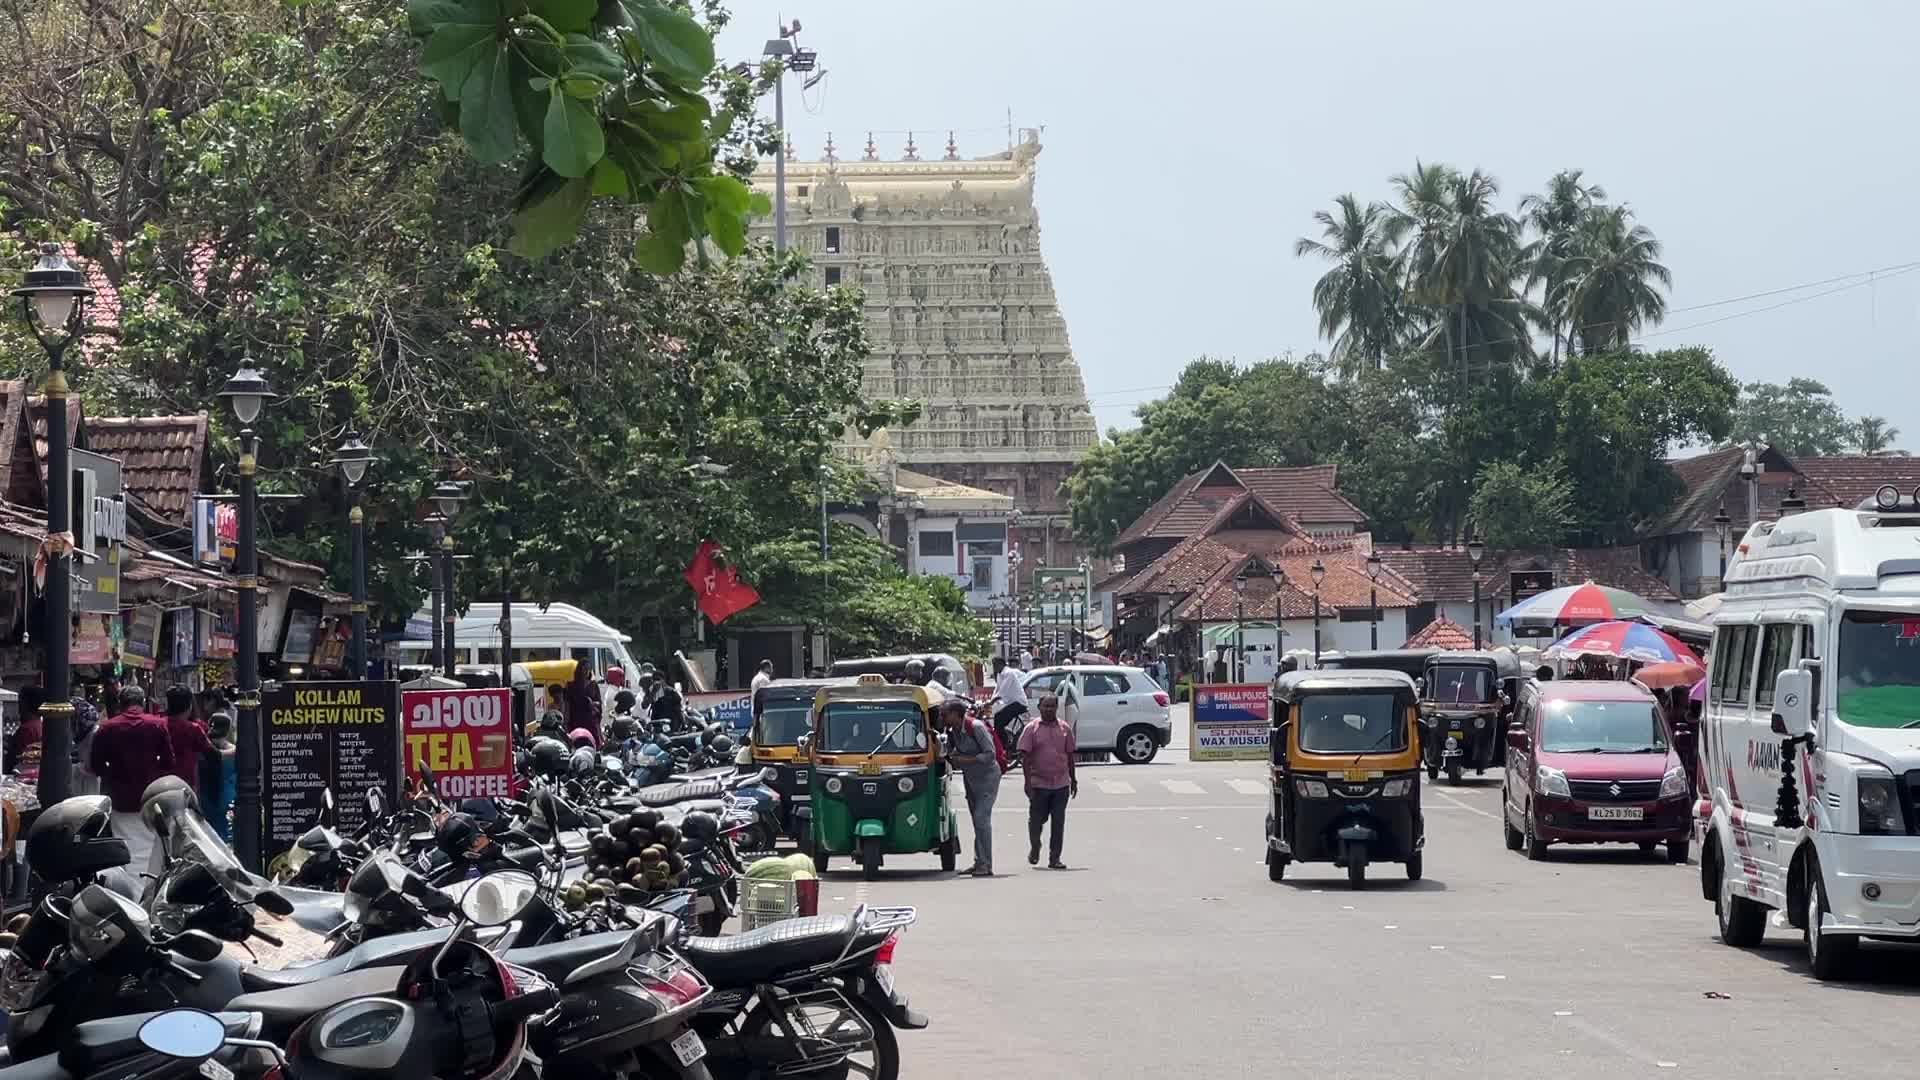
x: 1793, y: 703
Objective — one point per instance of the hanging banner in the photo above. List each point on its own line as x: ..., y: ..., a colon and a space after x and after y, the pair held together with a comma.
x: 1230, y: 723
x: 216, y: 533
x: 219, y: 634
x: 320, y: 736
x: 182, y: 637
x: 464, y: 737
x: 99, y: 533
x: 92, y: 644
x: 142, y: 647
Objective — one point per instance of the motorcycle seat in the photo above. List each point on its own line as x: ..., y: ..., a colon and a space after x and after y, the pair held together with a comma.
x: 563, y: 958
x: 745, y: 959
x: 391, y: 951
x: 668, y: 794
x: 285, y: 1008
x: 97, y: 1044
x: 44, y: 1067
x: 688, y: 739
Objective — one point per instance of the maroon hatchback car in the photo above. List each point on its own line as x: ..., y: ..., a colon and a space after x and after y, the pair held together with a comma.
x: 1591, y: 763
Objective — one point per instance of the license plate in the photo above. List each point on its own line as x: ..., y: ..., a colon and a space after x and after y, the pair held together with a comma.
x: 213, y: 1070
x: 799, y: 776
x: 870, y: 768
x: 883, y: 974
x: 688, y: 1047
x: 1616, y: 813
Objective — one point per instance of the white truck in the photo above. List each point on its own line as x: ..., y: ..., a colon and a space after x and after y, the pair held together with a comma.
x: 1809, y: 750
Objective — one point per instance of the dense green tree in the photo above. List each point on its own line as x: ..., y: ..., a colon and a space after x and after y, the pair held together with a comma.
x: 1873, y: 435
x: 1799, y: 418
x: 1522, y: 504
x: 1359, y: 299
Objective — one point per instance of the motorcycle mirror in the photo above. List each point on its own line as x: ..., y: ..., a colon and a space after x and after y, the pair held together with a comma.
x: 184, y: 1033
x: 196, y: 945
x: 499, y: 897
x: 273, y: 903
x: 420, y: 766
x: 376, y: 802
x: 326, y: 805
x: 613, y: 764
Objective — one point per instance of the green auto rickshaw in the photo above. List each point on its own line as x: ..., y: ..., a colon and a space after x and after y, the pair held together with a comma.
x: 878, y: 786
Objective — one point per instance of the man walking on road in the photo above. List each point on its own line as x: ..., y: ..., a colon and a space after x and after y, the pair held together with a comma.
x: 131, y: 750
x: 188, y: 737
x: 970, y: 749
x: 1046, y: 760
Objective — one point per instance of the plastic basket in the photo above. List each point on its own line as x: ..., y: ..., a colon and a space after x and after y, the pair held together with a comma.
x: 765, y: 902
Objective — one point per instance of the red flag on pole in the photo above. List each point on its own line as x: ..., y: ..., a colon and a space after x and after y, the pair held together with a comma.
x: 717, y: 589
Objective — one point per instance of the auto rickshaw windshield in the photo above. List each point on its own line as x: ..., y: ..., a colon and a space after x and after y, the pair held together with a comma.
x: 1369, y: 723
x: 783, y: 720
x: 1459, y: 684
x: 862, y: 727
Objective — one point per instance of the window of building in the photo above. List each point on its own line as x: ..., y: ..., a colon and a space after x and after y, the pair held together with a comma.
x: 982, y: 574
x: 802, y: 193
x: 936, y: 543
x: 1354, y: 614
x: 833, y: 239
x: 833, y: 275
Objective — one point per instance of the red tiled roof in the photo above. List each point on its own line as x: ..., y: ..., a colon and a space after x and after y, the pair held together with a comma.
x: 1303, y: 493
x: 160, y: 458
x: 1188, y: 563
x: 1346, y: 585
x: 37, y: 415
x: 1850, y: 479
x: 1440, y: 634
x: 1445, y: 574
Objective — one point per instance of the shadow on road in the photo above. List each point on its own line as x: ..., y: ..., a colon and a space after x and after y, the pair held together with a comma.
x: 1373, y: 884
x: 887, y: 874
x: 1583, y: 855
x: 1884, y: 968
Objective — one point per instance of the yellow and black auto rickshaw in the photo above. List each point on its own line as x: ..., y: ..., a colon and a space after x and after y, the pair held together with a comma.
x: 1346, y: 772
x: 878, y: 786
x: 1466, y: 701
x: 782, y: 714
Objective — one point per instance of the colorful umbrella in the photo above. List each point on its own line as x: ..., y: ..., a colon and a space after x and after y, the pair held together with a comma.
x: 1574, y: 605
x: 1629, y: 640
x: 1666, y: 676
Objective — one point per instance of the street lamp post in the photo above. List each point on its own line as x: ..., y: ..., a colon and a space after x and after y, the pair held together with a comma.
x: 1279, y: 615
x: 448, y: 494
x: 247, y: 393
x: 1373, y: 614
x: 1084, y: 601
x: 1318, y: 572
x: 791, y: 58
x: 1723, y: 525
x: 352, y: 459
x: 54, y: 298
x: 1014, y: 559
x: 1239, y: 626
x: 1750, y: 472
x: 504, y: 532
x: 1475, y: 552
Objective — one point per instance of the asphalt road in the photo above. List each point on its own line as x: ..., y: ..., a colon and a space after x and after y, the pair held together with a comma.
x: 1165, y: 952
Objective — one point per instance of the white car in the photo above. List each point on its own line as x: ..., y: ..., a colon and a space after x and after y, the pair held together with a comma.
x: 1121, y: 709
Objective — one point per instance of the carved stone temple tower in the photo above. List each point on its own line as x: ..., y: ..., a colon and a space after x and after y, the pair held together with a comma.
x: 960, y: 313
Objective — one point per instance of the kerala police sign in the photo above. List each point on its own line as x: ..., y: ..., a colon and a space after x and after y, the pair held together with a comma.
x: 1230, y: 723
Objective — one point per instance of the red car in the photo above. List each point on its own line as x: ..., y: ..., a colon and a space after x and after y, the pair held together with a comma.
x: 1590, y: 762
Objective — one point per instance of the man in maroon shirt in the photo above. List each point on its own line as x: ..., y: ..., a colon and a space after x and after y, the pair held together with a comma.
x: 131, y: 750
x: 187, y: 735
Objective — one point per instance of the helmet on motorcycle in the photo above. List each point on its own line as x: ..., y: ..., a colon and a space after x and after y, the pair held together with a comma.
x: 623, y: 701
x: 582, y: 737
x: 552, y: 723
x: 616, y: 676
x: 716, y: 730
x: 720, y: 744
x: 457, y: 835
x: 549, y: 755
x: 73, y: 839
x: 164, y: 799
x: 700, y: 826
x: 483, y: 810
x: 584, y: 761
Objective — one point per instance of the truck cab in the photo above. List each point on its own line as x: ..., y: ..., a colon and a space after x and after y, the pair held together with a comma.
x: 1809, y: 748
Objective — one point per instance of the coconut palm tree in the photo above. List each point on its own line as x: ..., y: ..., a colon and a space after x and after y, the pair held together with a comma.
x: 1612, y: 281
x: 1419, y: 221
x: 1873, y: 435
x: 1463, y: 264
x: 1554, y: 219
x: 1359, y: 299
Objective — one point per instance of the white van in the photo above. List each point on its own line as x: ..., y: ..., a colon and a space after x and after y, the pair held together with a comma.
x: 561, y: 632
x: 1810, y: 735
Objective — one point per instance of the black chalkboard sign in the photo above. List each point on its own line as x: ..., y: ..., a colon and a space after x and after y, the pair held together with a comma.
x: 320, y: 736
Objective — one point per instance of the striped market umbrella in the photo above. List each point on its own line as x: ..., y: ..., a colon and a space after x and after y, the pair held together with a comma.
x: 1625, y: 640
x: 1574, y: 605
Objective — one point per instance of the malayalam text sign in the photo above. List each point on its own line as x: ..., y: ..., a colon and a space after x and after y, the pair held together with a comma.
x: 464, y: 736
x: 1230, y: 723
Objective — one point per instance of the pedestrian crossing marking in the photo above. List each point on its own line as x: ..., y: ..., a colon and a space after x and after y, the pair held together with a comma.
x: 1116, y: 787
x: 1183, y: 787
x: 1248, y: 787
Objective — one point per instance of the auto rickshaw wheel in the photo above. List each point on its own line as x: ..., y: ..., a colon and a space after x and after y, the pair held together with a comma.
x: 1356, y: 867
x: 1276, y: 866
x: 819, y: 859
x: 870, y: 857
x: 1453, y: 772
x: 949, y: 853
x: 1433, y: 772
x: 1415, y: 866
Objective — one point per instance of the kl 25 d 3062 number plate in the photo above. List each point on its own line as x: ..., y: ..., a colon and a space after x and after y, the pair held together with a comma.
x: 1616, y: 813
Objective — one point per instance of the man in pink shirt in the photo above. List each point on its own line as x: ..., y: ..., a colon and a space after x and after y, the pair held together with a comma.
x: 1046, y: 761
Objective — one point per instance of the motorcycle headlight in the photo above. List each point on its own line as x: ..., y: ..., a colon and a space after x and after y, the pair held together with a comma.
x: 1310, y: 789
x: 1551, y: 781
x: 1880, y: 813
x: 1674, y: 784
x: 1394, y: 789
x: 907, y: 785
x: 833, y: 785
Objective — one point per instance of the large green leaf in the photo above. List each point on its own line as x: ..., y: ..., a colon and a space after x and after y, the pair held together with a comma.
x: 727, y: 193
x: 589, y: 57
x: 486, y: 109
x: 454, y: 50
x: 548, y: 225
x: 608, y: 178
x: 658, y: 255
x: 669, y: 216
x: 728, y: 229
x: 675, y: 43
x: 574, y: 140
x: 567, y: 16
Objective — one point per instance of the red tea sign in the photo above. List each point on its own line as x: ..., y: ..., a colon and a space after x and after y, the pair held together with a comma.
x: 464, y: 737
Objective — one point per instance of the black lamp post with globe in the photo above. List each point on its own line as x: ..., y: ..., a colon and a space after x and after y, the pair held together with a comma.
x: 352, y: 459
x: 247, y: 393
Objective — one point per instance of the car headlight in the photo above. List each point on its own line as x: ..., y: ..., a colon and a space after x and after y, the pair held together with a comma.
x: 1394, y: 789
x: 1880, y: 806
x: 906, y: 785
x: 1674, y: 784
x: 1310, y: 789
x: 833, y: 785
x: 1551, y: 781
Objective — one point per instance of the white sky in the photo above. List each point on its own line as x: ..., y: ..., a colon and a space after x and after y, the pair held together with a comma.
x: 1768, y: 143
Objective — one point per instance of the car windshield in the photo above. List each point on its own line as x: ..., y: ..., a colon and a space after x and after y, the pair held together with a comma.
x: 1365, y: 723
x: 858, y: 727
x: 1459, y: 684
x: 783, y: 721
x: 1601, y: 727
x: 1877, y: 671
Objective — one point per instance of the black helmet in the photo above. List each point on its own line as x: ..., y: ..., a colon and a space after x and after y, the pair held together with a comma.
x: 164, y: 800
x: 716, y: 730
x: 552, y: 721
x: 456, y: 835
x: 549, y: 755
x: 583, y: 761
x: 700, y: 826
x: 721, y: 744
x: 623, y: 728
x: 73, y: 840
x: 483, y: 810
x: 623, y: 701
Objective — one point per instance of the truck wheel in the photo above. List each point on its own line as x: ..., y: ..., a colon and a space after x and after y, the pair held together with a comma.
x: 1830, y: 956
x: 870, y: 858
x: 1742, y: 922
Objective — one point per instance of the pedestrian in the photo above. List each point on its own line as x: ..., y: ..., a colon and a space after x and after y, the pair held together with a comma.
x: 188, y: 736
x: 761, y: 678
x: 1026, y: 660
x: 1009, y: 699
x: 970, y: 749
x: 1046, y: 761
x: 219, y: 773
x: 23, y: 747
x: 86, y: 721
x: 583, y: 701
x: 131, y: 749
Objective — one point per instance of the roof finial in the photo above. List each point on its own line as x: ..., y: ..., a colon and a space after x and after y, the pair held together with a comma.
x: 953, y: 152
x: 789, y: 147
x: 872, y: 154
x: 830, y: 154
x: 913, y: 152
